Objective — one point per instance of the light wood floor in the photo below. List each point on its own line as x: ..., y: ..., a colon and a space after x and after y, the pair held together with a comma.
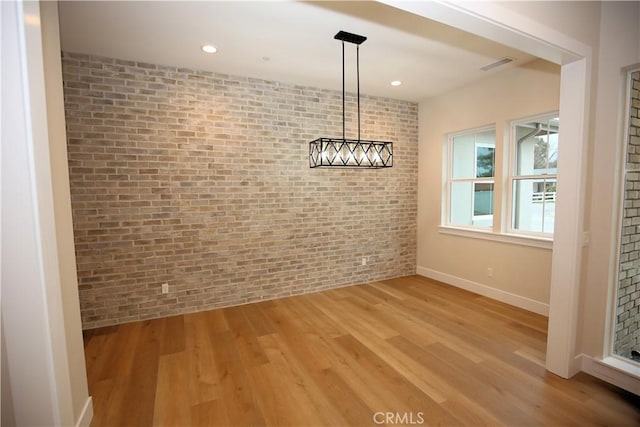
x: 420, y: 350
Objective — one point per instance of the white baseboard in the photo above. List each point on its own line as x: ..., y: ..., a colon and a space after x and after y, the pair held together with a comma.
x: 487, y: 291
x: 614, y: 371
x: 87, y: 414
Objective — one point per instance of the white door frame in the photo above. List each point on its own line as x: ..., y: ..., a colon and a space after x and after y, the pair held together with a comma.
x: 32, y: 317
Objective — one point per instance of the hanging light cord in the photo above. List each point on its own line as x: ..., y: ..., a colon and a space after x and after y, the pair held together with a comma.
x: 358, y: 74
x: 344, y: 133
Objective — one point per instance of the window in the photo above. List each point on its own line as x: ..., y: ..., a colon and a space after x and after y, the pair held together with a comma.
x: 470, y: 178
x: 525, y: 209
x: 534, y: 144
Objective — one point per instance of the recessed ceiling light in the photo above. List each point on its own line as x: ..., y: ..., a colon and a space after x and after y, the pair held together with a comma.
x: 396, y: 83
x: 208, y: 48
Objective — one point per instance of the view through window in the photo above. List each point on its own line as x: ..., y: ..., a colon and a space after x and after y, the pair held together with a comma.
x: 534, y: 177
x: 471, y: 184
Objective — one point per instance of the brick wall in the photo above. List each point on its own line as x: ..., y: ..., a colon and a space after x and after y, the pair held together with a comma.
x: 628, y: 311
x: 202, y: 180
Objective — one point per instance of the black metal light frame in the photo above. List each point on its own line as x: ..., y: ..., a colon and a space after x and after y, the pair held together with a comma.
x: 343, y: 152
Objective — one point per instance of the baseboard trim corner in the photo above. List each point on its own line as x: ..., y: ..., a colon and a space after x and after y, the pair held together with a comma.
x: 608, y: 372
x: 87, y: 414
x: 487, y: 291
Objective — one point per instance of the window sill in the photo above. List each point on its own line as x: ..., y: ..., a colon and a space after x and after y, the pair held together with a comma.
x: 513, y: 239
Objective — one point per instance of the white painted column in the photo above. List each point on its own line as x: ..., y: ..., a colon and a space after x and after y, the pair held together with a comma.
x: 569, y: 221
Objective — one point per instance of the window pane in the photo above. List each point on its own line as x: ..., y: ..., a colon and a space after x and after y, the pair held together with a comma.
x: 534, y: 205
x: 537, y: 147
x: 484, y: 161
x: 472, y: 155
x: 471, y: 204
x: 461, y: 203
x: 470, y: 193
x: 463, y: 156
x: 483, y: 198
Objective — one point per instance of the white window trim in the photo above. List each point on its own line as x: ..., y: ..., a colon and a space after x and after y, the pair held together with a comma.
x: 510, y: 151
x: 487, y: 234
x: 609, y: 356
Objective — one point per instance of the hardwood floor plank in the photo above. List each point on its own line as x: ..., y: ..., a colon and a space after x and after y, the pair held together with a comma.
x: 286, y: 391
x: 422, y: 332
x: 260, y: 324
x: 466, y: 382
x: 343, y: 397
x: 171, y: 406
x: 144, y: 376
x: 389, y: 290
x: 307, y: 310
x: 133, y: 395
x: 404, y: 396
x: 87, y: 335
x: 216, y: 321
x: 204, y: 385
x: 101, y: 395
x: 295, y: 331
x: 480, y: 338
x: 507, y: 312
x: 348, y: 313
x: 401, y: 363
x: 246, y: 341
x: 174, y: 339
x: 516, y: 390
x: 323, y: 359
x: 398, y: 348
x: 236, y: 390
x: 118, y: 359
x: 209, y: 414
x: 113, y: 410
x: 617, y: 402
x: 95, y: 355
x: 470, y: 413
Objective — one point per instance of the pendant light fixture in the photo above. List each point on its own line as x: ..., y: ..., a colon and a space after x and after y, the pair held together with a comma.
x: 343, y: 152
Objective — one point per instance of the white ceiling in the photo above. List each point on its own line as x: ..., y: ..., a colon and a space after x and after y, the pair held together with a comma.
x: 287, y: 42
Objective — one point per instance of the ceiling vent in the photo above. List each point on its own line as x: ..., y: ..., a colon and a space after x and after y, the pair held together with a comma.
x: 498, y: 63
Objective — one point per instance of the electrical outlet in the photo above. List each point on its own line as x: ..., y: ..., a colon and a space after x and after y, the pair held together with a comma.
x: 489, y: 272
x: 364, y: 260
x: 165, y: 288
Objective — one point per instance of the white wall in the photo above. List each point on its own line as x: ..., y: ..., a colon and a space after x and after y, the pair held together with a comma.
x: 524, y: 271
